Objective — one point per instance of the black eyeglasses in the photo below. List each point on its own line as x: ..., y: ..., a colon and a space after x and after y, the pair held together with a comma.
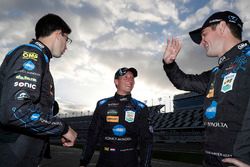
x: 68, y: 40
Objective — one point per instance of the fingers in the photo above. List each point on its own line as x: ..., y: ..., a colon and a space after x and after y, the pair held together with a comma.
x: 69, y: 138
x: 172, y: 49
x: 67, y: 142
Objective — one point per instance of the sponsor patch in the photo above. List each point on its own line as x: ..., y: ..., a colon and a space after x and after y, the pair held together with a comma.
x: 228, y: 82
x: 28, y: 72
x: 210, y: 112
x: 29, y: 65
x: 30, y: 55
x: 35, y: 117
x: 25, y: 84
x: 130, y: 116
x: 119, y: 130
x: 112, y: 119
x: 22, y: 95
x: 112, y: 112
x: 216, y: 124
x: 26, y: 78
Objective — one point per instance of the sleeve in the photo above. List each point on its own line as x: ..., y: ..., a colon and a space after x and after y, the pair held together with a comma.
x: 146, y: 137
x: 187, y: 82
x: 92, y: 137
x: 241, y: 149
x: 22, y: 107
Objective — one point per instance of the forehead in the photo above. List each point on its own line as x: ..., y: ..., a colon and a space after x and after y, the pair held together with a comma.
x: 206, y: 29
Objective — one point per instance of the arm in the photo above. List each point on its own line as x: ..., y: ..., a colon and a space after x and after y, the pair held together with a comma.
x: 188, y: 82
x: 92, y: 137
x: 146, y: 138
x: 22, y: 107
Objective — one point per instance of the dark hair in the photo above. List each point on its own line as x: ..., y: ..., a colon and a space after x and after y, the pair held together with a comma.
x: 50, y: 23
x: 235, y: 30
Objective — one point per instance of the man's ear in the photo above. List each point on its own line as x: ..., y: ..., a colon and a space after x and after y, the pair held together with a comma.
x: 57, y: 34
x: 116, y: 82
x: 222, y: 27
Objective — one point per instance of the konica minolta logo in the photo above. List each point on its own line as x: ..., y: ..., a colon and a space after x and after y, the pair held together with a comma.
x: 35, y: 117
x: 119, y: 130
x: 210, y: 112
x: 29, y: 65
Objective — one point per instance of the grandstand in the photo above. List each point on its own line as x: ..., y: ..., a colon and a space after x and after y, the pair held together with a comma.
x: 181, y: 130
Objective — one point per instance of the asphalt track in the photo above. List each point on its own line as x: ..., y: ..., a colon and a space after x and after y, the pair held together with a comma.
x: 69, y: 157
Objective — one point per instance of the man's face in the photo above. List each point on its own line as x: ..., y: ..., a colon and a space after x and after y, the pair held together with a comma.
x: 211, y: 41
x: 60, y: 44
x: 125, y: 83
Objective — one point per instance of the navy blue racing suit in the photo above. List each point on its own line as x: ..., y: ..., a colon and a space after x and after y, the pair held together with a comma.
x: 26, y: 105
x: 120, y: 122
x: 226, y: 106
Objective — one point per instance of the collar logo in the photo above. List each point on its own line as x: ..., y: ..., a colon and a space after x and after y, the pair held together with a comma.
x: 222, y: 59
x: 242, y: 45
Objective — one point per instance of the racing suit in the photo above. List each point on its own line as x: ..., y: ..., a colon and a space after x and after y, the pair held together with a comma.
x: 120, y: 122
x: 26, y: 105
x: 226, y: 106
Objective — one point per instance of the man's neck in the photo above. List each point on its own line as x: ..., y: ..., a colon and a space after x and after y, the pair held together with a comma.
x: 228, y: 45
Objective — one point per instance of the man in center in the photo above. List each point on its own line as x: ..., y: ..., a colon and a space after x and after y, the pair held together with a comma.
x: 120, y: 122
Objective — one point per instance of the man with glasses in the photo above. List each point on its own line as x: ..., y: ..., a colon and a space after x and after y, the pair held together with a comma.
x: 226, y: 88
x: 27, y: 100
x: 121, y: 123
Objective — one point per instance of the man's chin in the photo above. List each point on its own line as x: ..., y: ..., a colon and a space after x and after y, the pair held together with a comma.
x: 57, y: 56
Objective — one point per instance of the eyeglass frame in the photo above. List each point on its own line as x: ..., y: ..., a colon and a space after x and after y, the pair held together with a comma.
x: 68, y: 40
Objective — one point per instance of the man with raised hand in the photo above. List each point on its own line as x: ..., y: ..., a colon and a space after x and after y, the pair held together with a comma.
x: 226, y: 87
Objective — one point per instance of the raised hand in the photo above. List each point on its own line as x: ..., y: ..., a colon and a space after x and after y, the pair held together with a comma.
x: 172, y: 49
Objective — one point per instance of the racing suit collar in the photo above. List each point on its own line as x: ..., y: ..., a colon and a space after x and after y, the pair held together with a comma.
x: 43, y: 47
x: 234, y: 51
x: 122, y: 97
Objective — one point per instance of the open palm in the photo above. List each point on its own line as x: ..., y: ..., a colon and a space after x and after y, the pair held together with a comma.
x: 172, y: 49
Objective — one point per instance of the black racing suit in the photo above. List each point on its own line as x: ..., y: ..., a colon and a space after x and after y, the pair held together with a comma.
x: 120, y: 122
x: 226, y: 106
x: 26, y: 105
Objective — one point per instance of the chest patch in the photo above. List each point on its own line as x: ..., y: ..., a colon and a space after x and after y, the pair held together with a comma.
x: 210, y: 112
x: 228, y: 82
x: 112, y: 118
x: 130, y: 116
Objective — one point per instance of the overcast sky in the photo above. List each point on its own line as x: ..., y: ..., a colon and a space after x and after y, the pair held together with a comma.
x: 109, y: 34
